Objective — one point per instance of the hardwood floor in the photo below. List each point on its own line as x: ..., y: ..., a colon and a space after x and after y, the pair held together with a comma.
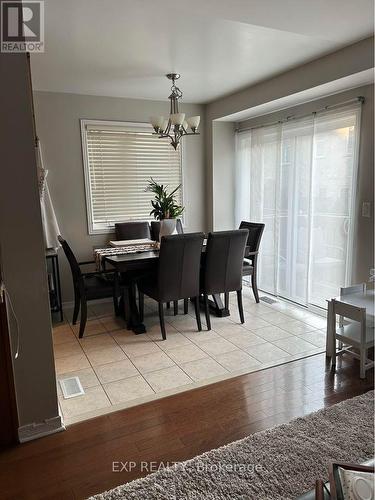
x: 78, y: 462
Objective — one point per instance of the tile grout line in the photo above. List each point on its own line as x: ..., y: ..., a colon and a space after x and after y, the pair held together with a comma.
x: 191, y: 342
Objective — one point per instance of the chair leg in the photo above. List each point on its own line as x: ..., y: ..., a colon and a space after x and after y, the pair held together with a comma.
x: 76, y: 306
x: 197, y: 313
x: 240, y: 306
x: 168, y: 305
x: 186, y: 306
x: 254, y: 285
x: 175, y: 307
x: 207, y: 312
x: 161, y: 318
x: 331, y: 331
x: 141, y: 300
x: 116, y: 306
x: 226, y: 300
x: 363, y: 357
x: 82, y: 324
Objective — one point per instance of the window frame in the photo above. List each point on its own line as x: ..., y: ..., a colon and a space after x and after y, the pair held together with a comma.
x: 86, y: 170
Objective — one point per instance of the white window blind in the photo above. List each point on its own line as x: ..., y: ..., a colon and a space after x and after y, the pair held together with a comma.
x: 119, y: 159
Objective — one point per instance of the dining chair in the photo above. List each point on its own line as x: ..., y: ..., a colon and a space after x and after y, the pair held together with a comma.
x: 88, y: 286
x: 134, y: 230
x: 155, y: 232
x: 354, y: 336
x: 222, y: 268
x: 177, y: 276
x: 250, y: 263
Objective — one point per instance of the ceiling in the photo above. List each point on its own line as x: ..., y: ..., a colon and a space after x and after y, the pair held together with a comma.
x: 124, y: 48
x: 312, y: 94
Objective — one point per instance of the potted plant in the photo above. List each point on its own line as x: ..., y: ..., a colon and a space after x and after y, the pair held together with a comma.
x: 164, y: 207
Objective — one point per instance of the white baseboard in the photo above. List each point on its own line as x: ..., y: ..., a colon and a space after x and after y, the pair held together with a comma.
x: 37, y: 430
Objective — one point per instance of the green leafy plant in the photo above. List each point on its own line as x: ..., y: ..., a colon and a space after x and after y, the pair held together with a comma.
x: 164, y: 205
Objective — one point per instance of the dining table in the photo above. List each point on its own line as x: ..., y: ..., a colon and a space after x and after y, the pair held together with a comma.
x: 133, y: 264
x: 364, y: 299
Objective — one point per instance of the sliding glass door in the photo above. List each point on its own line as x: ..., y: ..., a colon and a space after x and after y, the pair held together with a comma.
x: 299, y: 178
x: 294, y: 209
x: 334, y: 182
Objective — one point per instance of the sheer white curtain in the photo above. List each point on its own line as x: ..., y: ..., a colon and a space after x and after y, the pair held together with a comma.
x: 334, y: 186
x: 299, y: 178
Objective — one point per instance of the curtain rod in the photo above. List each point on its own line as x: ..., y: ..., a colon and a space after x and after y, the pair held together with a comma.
x: 360, y: 99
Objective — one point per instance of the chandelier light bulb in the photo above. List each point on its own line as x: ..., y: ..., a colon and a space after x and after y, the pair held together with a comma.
x: 157, y: 122
x: 193, y: 122
x: 177, y: 118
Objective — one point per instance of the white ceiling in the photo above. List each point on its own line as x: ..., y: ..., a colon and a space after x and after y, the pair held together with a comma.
x: 125, y: 47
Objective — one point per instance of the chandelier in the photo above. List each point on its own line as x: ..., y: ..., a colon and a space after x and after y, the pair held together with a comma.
x: 175, y: 126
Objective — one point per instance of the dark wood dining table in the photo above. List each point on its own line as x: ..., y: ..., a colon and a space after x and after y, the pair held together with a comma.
x: 139, y: 262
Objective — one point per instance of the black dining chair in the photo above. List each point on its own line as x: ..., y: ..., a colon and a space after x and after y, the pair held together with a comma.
x: 177, y: 276
x: 88, y: 286
x: 155, y: 232
x: 250, y: 263
x: 222, y: 267
x: 134, y: 230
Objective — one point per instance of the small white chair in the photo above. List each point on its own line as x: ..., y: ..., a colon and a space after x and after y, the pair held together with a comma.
x: 355, y: 334
x: 348, y: 290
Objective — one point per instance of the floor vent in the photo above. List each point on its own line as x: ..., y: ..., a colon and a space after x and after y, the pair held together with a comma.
x: 71, y: 387
x: 268, y: 300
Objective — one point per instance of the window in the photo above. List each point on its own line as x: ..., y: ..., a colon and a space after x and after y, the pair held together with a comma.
x: 119, y: 158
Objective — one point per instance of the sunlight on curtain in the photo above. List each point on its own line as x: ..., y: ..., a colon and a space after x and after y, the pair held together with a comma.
x: 299, y: 178
x: 334, y: 182
x: 294, y: 208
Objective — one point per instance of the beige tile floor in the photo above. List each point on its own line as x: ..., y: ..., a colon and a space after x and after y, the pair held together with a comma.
x: 119, y: 369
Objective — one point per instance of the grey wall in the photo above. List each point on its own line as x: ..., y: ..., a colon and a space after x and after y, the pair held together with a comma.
x: 223, y: 175
x: 57, y: 119
x: 364, y: 228
x: 22, y: 247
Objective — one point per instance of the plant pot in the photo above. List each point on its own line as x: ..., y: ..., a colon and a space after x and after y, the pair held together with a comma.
x: 167, y: 227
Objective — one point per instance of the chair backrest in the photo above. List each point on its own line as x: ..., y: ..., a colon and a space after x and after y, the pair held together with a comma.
x: 155, y: 229
x: 348, y: 290
x: 224, y: 260
x: 255, y: 234
x: 179, y: 266
x: 73, y: 263
x: 132, y: 230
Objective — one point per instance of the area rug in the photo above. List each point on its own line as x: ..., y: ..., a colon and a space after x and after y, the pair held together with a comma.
x: 279, y: 463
